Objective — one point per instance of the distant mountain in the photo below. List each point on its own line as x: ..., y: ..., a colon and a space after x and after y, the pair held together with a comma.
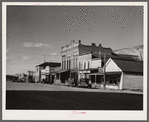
x: 136, y: 50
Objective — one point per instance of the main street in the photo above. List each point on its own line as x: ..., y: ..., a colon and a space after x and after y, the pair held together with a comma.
x: 30, y: 96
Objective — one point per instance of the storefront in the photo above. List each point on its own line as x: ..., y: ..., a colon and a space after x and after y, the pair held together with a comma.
x: 97, y: 78
x: 74, y: 74
x: 112, y: 80
x: 45, y: 76
x: 85, y: 73
x: 63, y: 75
x: 124, y: 74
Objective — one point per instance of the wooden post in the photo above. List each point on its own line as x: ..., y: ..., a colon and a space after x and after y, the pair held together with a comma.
x: 70, y: 73
x: 60, y: 77
x: 95, y: 81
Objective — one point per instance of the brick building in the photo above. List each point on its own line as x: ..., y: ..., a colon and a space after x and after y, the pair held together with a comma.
x: 70, y: 54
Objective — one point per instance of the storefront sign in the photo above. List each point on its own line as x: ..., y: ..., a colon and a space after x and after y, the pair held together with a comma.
x: 101, y: 70
x: 84, y: 72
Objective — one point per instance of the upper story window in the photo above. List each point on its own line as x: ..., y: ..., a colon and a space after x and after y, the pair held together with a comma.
x: 80, y: 65
x: 88, y: 65
x: 84, y: 65
x: 36, y: 68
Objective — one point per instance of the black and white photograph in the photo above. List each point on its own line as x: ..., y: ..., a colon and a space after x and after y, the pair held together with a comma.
x: 74, y: 61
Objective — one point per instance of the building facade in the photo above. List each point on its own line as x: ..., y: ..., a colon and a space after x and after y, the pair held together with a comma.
x: 119, y: 74
x: 46, y: 72
x: 78, y: 59
x: 124, y: 74
x: 87, y: 65
x: 73, y: 61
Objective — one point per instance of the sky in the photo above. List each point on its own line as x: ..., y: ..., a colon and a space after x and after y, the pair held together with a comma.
x: 35, y: 32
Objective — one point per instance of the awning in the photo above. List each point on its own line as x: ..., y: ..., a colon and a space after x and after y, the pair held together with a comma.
x: 113, y: 72
x: 62, y: 71
x: 96, y: 74
x: 107, y: 73
x: 45, y: 73
x: 74, y: 71
x: 88, y: 70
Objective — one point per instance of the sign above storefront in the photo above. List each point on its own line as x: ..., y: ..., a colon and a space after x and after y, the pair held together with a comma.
x: 84, y: 72
x: 101, y: 70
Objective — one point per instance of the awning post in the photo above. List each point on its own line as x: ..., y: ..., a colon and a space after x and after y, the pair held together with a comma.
x: 95, y: 81
x: 70, y: 73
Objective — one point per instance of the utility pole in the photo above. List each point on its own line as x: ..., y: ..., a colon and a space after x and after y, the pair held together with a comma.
x: 104, y: 84
x: 44, y: 58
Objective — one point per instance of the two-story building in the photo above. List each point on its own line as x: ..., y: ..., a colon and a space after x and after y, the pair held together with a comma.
x: 78, y: 59
x: 72, y: 53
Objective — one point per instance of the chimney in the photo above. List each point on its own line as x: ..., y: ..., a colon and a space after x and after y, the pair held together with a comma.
x: 79, y: 42
x: 100, y: 45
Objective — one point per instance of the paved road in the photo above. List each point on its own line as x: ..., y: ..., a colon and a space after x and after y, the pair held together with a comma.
x: 51, y: 97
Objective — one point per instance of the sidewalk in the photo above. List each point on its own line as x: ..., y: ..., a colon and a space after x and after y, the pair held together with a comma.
x: 98, y: 89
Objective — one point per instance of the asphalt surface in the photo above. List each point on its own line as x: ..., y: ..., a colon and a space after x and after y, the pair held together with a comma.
x: 30, y: 96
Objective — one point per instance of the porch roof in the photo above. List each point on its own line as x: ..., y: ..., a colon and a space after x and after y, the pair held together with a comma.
x: 96, y: 73
x: 62, y: 71
x: 129, y: 66
x: 90, y: 69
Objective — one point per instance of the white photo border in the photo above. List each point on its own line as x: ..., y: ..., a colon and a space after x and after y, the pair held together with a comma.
x: 66, y: 114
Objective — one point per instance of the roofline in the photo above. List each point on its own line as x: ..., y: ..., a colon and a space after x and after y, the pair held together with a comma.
x: 49, y: 63
x: 85, y: 53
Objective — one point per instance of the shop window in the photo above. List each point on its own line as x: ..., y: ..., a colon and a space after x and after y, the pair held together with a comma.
x: 98, y: 79
x: 115, y: 82
x: 110, y: 82
x: 118, y: 80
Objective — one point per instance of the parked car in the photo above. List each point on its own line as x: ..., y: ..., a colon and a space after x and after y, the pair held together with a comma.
x: 72, y: 82
x: 84, y: 82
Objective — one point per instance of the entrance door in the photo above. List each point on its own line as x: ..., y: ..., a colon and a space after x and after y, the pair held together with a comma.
x: 93, y: 78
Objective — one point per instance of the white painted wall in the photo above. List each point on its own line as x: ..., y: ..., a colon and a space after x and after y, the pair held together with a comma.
x: 96, y: 63
x: 121, y: 81
x: 132, y: 82
x: 112, y: 67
